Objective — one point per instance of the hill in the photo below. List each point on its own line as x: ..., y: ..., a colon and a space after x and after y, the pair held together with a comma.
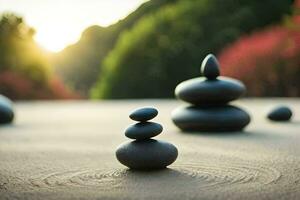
x: 166, y: 47
x: 79, y: 64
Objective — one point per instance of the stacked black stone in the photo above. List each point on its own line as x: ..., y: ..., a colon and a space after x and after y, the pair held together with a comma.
x: 6, y: 110
x: 145, y: 153
x: 209, y: 96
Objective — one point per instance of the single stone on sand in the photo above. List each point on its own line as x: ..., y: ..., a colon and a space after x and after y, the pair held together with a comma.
x: 145, y: 153
x: 280, y: 113
x: 143, y: 114
x: 209, y: 96
x: 6, y: 110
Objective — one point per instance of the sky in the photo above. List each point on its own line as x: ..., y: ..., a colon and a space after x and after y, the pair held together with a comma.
x: 59, y: 23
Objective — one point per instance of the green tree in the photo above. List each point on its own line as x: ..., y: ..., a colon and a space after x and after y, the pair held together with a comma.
x: 18, y: 51
x: 24, y: 67
x: 166, y: 47
x: 78, y: 64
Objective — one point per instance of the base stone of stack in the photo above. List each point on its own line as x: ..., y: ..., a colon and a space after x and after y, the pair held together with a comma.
x: 146, y: 154
x: 224, y: 118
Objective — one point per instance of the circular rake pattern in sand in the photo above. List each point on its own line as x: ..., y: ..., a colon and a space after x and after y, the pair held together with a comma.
x: 295, y: 184
x: 203, y: 174
x: 3, y: 182
x: 79, y: 178
x: 216, y: 175
x: 297, y: 174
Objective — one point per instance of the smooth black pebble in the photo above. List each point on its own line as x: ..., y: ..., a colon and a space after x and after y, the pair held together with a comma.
x: 6, y: 110
x: 143, y: 130
x: 281, y: 113
x: 201, y: 91
x: 143, y: 114
x: 210, y: 119
x: 146, y: 154
x: 210, y: 67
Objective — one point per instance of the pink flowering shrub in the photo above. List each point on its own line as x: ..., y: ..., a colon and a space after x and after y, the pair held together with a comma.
x: 17, y: 86
x: 268, y: 62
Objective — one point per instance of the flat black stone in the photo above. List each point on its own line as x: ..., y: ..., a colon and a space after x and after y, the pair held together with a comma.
x: 210, y: 67
x: 281, y: 113
x: 210, y: 118
x: 143, y: 114
x: 143, y: 130
x: 201, y: 91
x: 146, y: 154
x: 6, y: 110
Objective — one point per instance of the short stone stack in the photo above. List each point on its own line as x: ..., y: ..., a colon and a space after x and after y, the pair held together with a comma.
x: 145, y: 153
x: 209, y: 96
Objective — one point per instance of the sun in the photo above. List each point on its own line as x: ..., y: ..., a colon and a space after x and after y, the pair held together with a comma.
x: 63, y: 28
x: 54, y: 41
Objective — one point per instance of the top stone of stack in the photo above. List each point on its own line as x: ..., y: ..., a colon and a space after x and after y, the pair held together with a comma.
x: 143, y: 114
x: 210, y: 67
x: 211, y: 89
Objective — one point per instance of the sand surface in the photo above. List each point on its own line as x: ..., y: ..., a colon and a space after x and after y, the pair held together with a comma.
x: 65, y: 150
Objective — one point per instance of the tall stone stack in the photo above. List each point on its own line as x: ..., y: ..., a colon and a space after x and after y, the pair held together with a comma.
x: 209, y: 97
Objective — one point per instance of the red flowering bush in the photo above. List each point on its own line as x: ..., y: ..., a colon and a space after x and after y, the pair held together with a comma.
x: 268, y: 62
x: 17, y: 86
x: 57, y: 90
x: 24, y: 67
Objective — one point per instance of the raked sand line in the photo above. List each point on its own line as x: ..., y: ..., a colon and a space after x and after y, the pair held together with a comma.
x: 206, y: 175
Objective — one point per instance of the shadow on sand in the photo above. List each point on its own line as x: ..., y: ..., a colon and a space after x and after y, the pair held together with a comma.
x: 157, y: 178
x: 247, y: 134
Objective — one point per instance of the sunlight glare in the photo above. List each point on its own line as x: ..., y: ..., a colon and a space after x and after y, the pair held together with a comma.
x: 56, y: 41
x: 60, y: 23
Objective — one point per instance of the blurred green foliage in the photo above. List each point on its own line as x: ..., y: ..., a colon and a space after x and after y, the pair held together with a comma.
x: 24, y: 67
x: 78, y: 64
x: 19, y: 52
x: 166, y: 46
